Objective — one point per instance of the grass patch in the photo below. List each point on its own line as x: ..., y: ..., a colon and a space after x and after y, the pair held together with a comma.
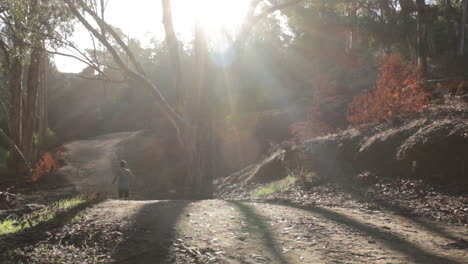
x: 281, y: 185
x: 43, y: 215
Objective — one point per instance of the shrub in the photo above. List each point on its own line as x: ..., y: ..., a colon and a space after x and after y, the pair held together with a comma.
x: 51, y: 138
x: 46, y: 164
x: 399, y: 90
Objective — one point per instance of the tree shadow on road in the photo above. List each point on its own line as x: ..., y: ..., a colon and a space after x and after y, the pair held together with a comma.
x: 391, y: 241
x: 398, y: 209
x: 257, y: 226
x: 152, y: 233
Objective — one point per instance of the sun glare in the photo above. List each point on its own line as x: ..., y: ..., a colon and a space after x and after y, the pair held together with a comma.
x: 217, y: 17
x: 220, y: 19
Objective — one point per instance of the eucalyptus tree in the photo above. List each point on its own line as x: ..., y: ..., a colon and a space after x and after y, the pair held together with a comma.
x: 191, y: 131
x: 27, y: 27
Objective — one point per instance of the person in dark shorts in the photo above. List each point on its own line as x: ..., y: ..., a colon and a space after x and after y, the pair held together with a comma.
x: 123, y: 176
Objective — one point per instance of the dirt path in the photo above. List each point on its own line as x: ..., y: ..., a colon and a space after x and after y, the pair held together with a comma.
x: 216, y: 231
x: 91, y: 163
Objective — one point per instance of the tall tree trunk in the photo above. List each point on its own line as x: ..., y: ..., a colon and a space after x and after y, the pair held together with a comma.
x: 16, y: 110
x: 42, y: 105
x: 173, y: 46
x: 201, y: 126
x: 462, y: 29
x: 353, y: 27
x: 431, y: 45
x: 422, y: 45
x: 407, y: 7
x: 31, y: 102
x: 450, y: 32
x: 197, y: 178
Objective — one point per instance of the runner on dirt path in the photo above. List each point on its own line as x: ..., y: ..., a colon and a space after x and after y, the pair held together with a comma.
x: 123, y: 175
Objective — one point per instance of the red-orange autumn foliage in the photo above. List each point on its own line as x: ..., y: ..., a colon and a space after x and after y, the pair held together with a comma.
x: 399, y: 90
x: 47, y: 163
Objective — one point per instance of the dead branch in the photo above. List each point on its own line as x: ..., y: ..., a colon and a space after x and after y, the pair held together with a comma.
x: 15, y: 147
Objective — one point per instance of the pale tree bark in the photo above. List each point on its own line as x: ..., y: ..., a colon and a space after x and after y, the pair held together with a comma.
x: 462, y: 29
x: 352, y: 44
x: 16, y: 109
x: 201, y: 125
x: 42, y: 105
x: 422, y: 36
x: 174, y: 52
x: 31, y: 101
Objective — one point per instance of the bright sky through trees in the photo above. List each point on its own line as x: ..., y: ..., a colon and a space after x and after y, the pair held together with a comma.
x: 142, y: 19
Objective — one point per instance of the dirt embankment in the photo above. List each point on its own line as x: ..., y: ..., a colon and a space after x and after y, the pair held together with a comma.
x: 418, y: 165
x: 425, y: 148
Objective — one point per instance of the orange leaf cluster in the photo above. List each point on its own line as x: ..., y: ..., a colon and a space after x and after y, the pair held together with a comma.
x: 399, y: 91
x: 46, y: 164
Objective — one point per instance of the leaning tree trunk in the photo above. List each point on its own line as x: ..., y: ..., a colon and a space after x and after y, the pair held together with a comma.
x: 422, y: 47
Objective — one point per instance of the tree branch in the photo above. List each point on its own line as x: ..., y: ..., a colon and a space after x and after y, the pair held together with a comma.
x: 4, y: 47
x: 273, y: 9
x: 5, y: 110
x: 105, y: 80
x: 161, y: 102
x: 90, y: 64
x: 15, y: 147
x: 114, y: 34
x: 252, y: 19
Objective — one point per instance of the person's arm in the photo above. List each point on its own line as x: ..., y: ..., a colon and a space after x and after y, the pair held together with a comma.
x: 115, y: 178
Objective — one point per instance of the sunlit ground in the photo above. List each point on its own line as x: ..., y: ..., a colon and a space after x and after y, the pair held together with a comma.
x: 234, y: 232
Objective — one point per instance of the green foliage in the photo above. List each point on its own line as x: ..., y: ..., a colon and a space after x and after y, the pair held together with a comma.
x: 46, y: 214
x: 274, y: 187
x: 51, y: 138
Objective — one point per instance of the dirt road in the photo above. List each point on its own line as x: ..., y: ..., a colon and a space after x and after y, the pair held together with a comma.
x: 219, y: 231
x: 216, y: 231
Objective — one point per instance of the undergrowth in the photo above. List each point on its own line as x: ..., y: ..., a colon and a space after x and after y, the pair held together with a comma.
x: 281, y: 185
x: 43, y: 215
